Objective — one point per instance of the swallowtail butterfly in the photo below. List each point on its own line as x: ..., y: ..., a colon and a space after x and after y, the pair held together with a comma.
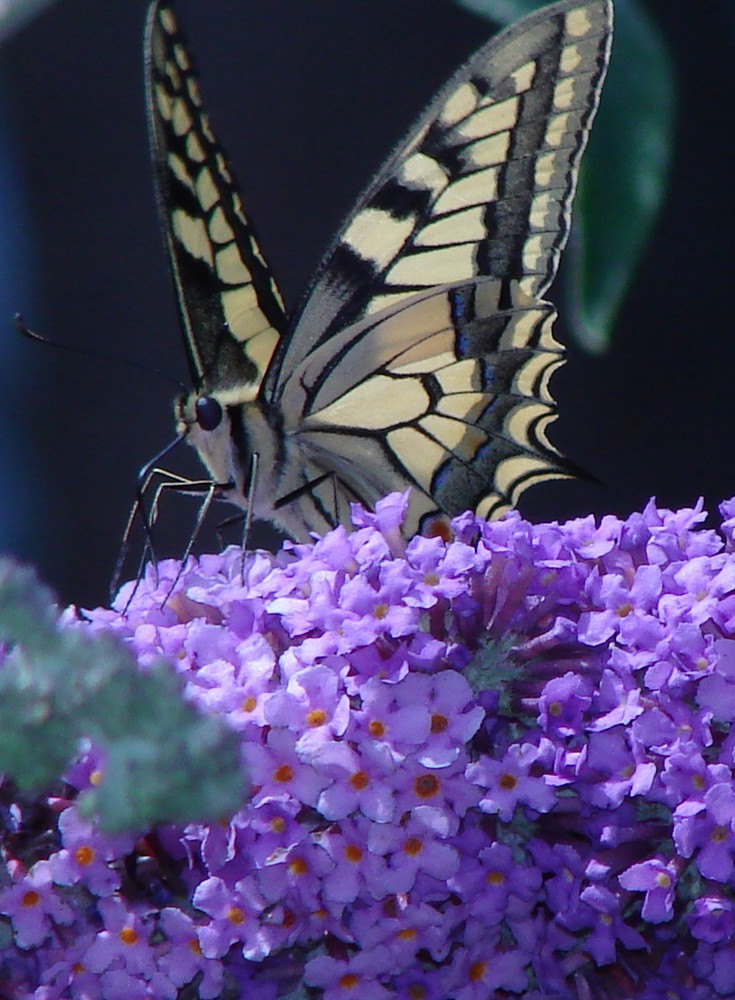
x: 422, y: 353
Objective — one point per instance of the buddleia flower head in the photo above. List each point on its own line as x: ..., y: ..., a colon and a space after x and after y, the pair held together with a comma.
x: 495, y: 764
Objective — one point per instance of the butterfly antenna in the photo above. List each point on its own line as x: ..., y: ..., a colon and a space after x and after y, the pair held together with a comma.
x: 86, y: 352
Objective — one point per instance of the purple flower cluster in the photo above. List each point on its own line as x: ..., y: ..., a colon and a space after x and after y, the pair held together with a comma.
x: 495, y: 764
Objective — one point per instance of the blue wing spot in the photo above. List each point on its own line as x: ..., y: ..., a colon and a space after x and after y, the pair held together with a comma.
x: 487, y: 376
x: 457, y: 305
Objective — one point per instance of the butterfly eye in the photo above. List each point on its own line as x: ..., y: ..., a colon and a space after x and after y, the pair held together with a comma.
x: 209, y: 413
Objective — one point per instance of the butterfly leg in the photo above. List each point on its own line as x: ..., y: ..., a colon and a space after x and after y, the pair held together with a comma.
x: 149, y: 516
x: 308, y: 488
x: 209, y: 488
x: 180, y: 484
x: 223, y: 525
x: 145, y: 477
x: 136, y: 511
x: 246, y: 518
x: 249, y: 511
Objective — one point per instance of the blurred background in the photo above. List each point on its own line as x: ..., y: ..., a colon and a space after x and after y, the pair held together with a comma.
x: 308, y: 96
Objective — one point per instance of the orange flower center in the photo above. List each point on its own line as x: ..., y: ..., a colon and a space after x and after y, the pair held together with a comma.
x: 426, y: 786
x: 439, y: 723
x: 413, y: 846
x: 353, y: 853
x: 477, y: 971
x: 297, y: 866
x: 84, y: 856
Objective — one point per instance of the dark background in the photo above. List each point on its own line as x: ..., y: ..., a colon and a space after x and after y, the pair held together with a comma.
x: 308, y: 96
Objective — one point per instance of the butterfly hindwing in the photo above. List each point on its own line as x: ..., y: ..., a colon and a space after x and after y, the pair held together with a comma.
x: 451, y: 399
x: 231, y: 310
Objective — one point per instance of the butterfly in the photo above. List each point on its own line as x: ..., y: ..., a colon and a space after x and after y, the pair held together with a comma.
x: 422, y: 353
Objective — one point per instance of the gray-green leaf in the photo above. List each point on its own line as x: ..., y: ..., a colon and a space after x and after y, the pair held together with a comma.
x: 164, y: 761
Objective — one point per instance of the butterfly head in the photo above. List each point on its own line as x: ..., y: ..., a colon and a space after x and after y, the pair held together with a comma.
x: 226, y: 428
x: 209, y: 413
x: 198, y: 413
x: 206, y: 423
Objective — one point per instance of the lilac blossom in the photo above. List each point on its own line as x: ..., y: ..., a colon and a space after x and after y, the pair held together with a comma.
x: 33, y: 905
x: 658, y: 880
x: 493, y: 764
x: 86, y: 855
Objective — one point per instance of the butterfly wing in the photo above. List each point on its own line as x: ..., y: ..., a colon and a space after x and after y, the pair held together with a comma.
x: 231, y: 310
x: 447, y: 393
x: 423, y: 351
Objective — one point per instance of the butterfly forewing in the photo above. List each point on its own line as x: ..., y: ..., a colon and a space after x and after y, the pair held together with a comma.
x: 230, y: 306
x: 481, y: 186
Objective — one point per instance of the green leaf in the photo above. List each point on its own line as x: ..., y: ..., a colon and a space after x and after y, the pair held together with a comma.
x: 624, y: 175
x: 161, y: 751
x: 624, y: 171
x: 164, y: 762
x: 502, y: 11
x: 26, y: 607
